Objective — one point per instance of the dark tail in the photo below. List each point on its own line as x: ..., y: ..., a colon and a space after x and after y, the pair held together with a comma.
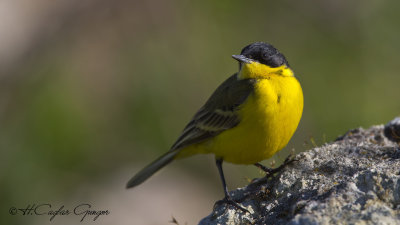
x: 149, y: 170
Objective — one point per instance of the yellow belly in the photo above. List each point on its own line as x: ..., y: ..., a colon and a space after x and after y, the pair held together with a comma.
x: 269, y: 117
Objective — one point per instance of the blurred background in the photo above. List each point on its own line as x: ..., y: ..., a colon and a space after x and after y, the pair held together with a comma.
x: 92, y: 91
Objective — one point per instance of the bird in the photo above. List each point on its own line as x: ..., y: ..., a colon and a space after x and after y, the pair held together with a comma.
x: 251, y: 116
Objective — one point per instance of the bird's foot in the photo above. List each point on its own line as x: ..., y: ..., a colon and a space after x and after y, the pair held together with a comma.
x: 228, y: 200
x: 271, y: 171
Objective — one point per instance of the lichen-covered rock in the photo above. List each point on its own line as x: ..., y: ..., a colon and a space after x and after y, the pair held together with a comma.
x: 354, y: 180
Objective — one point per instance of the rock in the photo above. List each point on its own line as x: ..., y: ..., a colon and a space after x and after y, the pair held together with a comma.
x: 353, y: 180
x: 392, y: 130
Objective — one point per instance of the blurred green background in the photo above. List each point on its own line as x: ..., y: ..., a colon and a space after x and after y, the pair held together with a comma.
x: 91, y: 91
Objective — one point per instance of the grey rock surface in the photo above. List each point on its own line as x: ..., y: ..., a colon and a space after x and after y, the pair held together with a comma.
x: 353, y: 180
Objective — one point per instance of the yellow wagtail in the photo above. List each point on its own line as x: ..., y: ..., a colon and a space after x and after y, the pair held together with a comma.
x: 248, y: 118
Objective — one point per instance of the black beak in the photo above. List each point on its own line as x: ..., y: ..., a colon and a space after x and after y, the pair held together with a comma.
x: 242, y: 58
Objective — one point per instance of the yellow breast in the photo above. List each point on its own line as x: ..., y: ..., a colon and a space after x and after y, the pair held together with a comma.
x: 269, y: 117
x: 268, y: 120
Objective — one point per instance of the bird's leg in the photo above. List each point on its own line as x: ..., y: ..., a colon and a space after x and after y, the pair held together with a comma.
x: 227, y: 198
x: 271, y: 171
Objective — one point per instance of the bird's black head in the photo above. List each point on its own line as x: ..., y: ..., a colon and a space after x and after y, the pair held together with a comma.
x: 264, y: 53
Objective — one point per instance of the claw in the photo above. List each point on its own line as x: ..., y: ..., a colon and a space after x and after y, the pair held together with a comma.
x: 229, y: 201
x: 271, y: 171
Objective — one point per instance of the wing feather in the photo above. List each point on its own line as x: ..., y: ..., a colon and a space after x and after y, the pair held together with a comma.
x: 218, y: 114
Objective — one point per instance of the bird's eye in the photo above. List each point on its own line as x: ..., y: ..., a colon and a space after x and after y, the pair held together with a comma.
x: 265, y: 55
